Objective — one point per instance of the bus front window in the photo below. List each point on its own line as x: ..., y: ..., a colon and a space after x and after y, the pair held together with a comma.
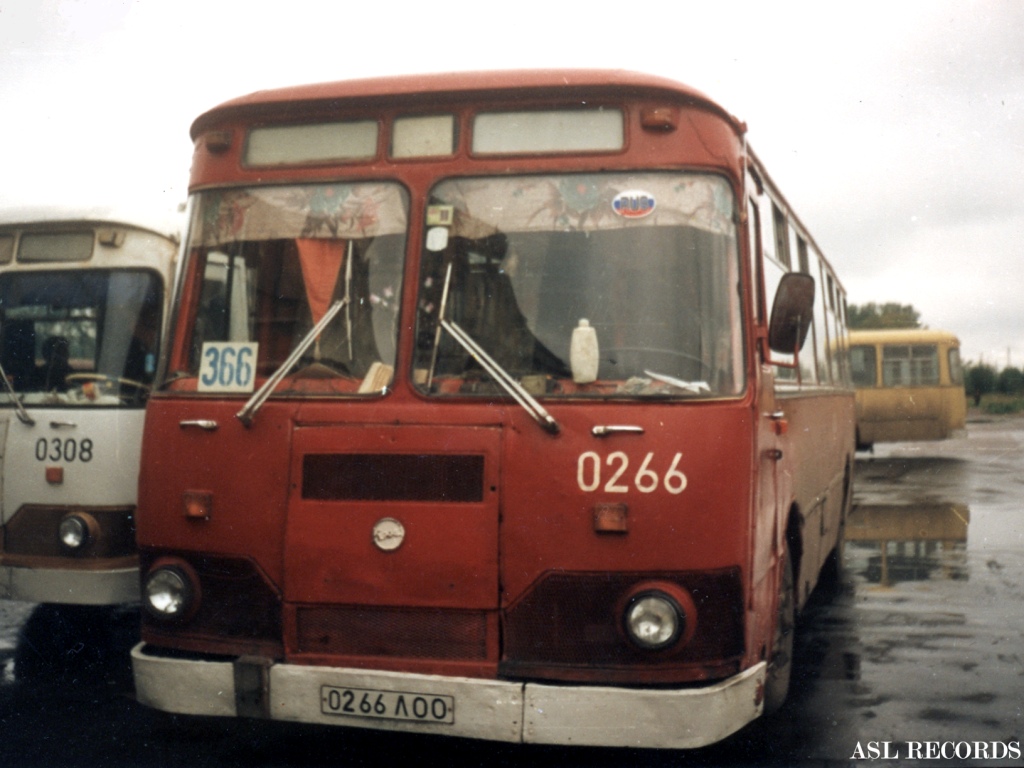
x: 268, y: 263
x: 82, y: 337
x: 648, y: 261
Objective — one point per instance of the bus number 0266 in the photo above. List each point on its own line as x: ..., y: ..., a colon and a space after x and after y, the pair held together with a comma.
x: 646, y: 479
x: 69, y: 449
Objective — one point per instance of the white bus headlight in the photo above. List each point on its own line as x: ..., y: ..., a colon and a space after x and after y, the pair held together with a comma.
x: 653, y: 620
x: 75, y: 531
x: 168, y: 593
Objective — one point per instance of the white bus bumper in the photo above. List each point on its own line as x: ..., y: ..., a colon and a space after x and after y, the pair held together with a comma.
x: 483, y: 709
x: 58, y: 585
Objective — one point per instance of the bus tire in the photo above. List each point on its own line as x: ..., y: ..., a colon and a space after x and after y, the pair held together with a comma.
x: 780, y: 668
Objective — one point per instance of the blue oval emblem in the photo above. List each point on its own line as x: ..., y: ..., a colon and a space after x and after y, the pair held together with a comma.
x: 633, y: 204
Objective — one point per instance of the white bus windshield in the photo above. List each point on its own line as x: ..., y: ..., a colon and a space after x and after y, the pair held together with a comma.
x: 80, y: 338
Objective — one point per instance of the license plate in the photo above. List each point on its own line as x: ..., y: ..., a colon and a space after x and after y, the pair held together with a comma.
x: 387, y: 705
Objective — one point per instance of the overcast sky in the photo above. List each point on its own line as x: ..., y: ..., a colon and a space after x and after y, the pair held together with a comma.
x: 896, y: 128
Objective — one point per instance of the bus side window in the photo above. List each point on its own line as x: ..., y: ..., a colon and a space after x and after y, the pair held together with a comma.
x: 956, y: 369
x: 756, y: 255
x: 781, y: 237
x: 864, y: 363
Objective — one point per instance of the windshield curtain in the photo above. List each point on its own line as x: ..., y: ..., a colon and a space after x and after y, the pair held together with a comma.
x: 83, y: 337
x: 266, y: 265
x: 648, y: 261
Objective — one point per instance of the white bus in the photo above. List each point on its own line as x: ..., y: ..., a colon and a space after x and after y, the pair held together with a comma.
x: 82, y: 307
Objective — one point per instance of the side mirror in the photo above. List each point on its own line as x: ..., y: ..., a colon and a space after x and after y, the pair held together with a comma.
x: 791, y: 313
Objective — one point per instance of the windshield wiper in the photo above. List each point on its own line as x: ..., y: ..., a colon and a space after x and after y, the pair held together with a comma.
x: 696, y: 387
x: 19, y: 408
x: 249, y: 410
x: 348, y: 301
x: 503, y: 377
x: 437, y: 331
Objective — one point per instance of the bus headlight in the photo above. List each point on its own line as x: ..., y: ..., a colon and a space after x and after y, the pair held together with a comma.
x: 76, y: 530
x: 654, y: 620
x: 170, y: 592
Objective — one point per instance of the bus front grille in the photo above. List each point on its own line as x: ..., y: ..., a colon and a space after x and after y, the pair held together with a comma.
x: 394, y: 632
x: 392, y: 477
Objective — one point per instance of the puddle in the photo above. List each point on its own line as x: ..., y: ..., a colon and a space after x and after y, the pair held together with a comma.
x: 894, y: 543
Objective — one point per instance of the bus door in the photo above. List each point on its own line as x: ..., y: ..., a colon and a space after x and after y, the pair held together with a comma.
x: 769, y: 421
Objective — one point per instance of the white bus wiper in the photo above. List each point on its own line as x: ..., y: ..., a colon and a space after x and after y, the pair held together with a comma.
x: 437, y: 331
x: 248, y: 411
x: 503, y: 378
x: 348, y: 301
x: 19, y: 408
x: 696, y: 387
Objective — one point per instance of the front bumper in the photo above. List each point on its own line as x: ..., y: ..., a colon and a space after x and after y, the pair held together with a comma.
x: 67, y: 585
x: 483, y: 709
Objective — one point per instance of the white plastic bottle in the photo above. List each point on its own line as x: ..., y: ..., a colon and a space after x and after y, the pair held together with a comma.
x: 583, y: 353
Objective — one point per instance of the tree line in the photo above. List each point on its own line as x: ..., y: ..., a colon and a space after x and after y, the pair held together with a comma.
x: 983, y: 379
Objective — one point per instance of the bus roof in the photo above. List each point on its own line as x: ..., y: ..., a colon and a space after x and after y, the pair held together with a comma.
x: 430, y: 88
x: 167, y: 224
x: 902, y: 336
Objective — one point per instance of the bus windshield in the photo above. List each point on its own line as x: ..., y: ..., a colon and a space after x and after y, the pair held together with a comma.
x: 647, y: 260
x: 270, y: 262
x: 79, y: 338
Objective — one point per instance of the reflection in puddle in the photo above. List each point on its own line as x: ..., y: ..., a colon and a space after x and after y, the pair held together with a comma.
x: 913, y: 542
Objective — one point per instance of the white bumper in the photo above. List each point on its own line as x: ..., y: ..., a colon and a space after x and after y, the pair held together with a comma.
x: 482, y: 709
x: 57, y: 585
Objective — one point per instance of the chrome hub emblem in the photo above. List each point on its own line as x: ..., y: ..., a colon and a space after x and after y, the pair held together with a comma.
x: 388, y: 534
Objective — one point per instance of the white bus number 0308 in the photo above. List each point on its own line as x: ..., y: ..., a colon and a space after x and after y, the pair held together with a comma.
x: 646, y: 479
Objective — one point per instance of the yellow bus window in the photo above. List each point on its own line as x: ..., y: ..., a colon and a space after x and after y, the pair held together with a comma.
x: 864, y: 363
x: 910, y: 365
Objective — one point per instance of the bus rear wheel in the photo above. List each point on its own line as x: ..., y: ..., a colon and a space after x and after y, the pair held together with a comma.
x: 780, y: 667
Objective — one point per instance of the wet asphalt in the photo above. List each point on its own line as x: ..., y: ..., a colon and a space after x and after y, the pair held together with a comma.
x: 919, y: 655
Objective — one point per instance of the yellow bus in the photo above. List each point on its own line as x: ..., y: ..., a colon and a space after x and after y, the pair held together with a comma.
x: 909, y: 385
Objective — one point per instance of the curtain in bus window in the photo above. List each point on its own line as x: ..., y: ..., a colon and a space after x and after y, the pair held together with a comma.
x: 332, y: 211
x: 602, y: 277
x: 321, y: 263
x: 585, y: 204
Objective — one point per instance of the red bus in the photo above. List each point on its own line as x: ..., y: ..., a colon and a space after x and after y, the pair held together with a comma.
x: 475, y: 420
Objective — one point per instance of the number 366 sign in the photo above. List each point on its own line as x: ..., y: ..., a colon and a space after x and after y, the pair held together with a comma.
x: 228, y: 366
